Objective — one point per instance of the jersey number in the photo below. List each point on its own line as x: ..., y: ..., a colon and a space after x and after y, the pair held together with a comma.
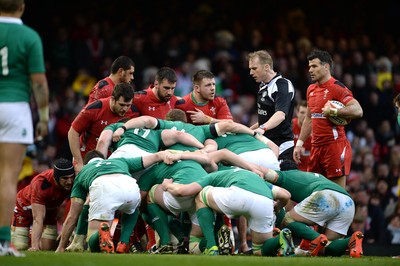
x: 4, y: 60
x: 145, y: 134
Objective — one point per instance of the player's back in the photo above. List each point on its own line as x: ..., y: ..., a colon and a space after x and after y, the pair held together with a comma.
x: 239, y: 143
x: 302, y: 184
x: 201, y: 133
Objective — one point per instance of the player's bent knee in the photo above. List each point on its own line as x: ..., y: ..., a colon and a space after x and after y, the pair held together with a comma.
x: 194, y: 245
x: 201, y: 198
x: 287, y: 219
x: 20, y: 237
x: 151, y: 194
x: 91, y: 231
x: 257, y: 249
x: 50, y: 232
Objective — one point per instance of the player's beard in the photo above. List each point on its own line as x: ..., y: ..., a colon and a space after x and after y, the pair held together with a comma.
x: 207, y: 97
x: 164, y: 98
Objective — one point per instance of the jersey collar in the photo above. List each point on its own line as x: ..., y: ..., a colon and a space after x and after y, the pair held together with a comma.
x: 197, y: 103
x: 11, y: 20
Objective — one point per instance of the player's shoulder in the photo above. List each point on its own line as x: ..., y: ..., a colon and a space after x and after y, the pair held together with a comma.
x: 95, y: 105
x: 135, y: 110
x: 182, y: 100
x: 219, y: 100
x: 282, y: 80
x: 44, y: 179
x: 141, y: 93
x: 26, y: 31
x: 312, y: 86
x: 103, y: 84
x: 338, y: 84
x: 174, y: 99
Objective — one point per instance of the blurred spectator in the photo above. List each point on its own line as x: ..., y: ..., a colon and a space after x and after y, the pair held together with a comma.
x: 141, y: 59
x: 369, y: 217
x: 149, y: 76
x: 394, y: 225
x: 384, y: 74
x: 385, y: 137
x: 387, y: 200
x: 184, y: 82
x: 394, y: 229
x: 83, y: 83
x: 374, y: 110
x: 61, y: 50
x: 376, y: 219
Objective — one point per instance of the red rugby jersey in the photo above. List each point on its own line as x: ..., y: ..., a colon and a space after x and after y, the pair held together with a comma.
x: 217, y: 108
x: 324, y: 131
x: 307, y: 145
x: 91, y: 121
x: 148, y: 104
x: 43, y: 190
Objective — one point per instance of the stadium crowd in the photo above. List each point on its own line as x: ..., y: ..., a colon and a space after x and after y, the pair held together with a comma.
x: 81, y: 44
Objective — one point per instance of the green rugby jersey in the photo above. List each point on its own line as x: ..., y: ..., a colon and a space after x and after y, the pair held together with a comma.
x: 146, y: 139
x: 97, y: 168
x: 182, y: 172
x: 302, y: 184
x: 234, y: 176
x: 21, y: 54
x: 201, y: 133
x: 239, y: 143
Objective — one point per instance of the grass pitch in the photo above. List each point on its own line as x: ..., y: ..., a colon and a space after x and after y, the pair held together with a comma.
x: 43, y: 258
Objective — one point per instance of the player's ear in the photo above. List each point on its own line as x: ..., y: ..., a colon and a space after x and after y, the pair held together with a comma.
x: 22, y: 9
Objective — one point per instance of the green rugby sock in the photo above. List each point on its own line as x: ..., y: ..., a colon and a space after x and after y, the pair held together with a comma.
x: 175, y: 226
x: 303, y: 231
x: 206, y: 222
x: 128, y: 223
x: 159, y: 222
x: 337, y: 247
x: 5, y: 233
x: 93, y: 243
x: 82, y: 225
x: 270, y: 247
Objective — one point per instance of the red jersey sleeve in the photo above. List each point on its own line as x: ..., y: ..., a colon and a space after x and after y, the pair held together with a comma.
x: 341, y: 93
x: 85, y: 118
x: 223, y: 111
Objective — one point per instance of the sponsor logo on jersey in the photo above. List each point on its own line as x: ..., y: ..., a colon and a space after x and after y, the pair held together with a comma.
x: 317, y: 115
x: 264, y: 94
x: 152, y: 108
x: 262, y: 112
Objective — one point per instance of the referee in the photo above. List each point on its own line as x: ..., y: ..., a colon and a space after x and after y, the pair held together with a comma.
x: 275, y: 103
